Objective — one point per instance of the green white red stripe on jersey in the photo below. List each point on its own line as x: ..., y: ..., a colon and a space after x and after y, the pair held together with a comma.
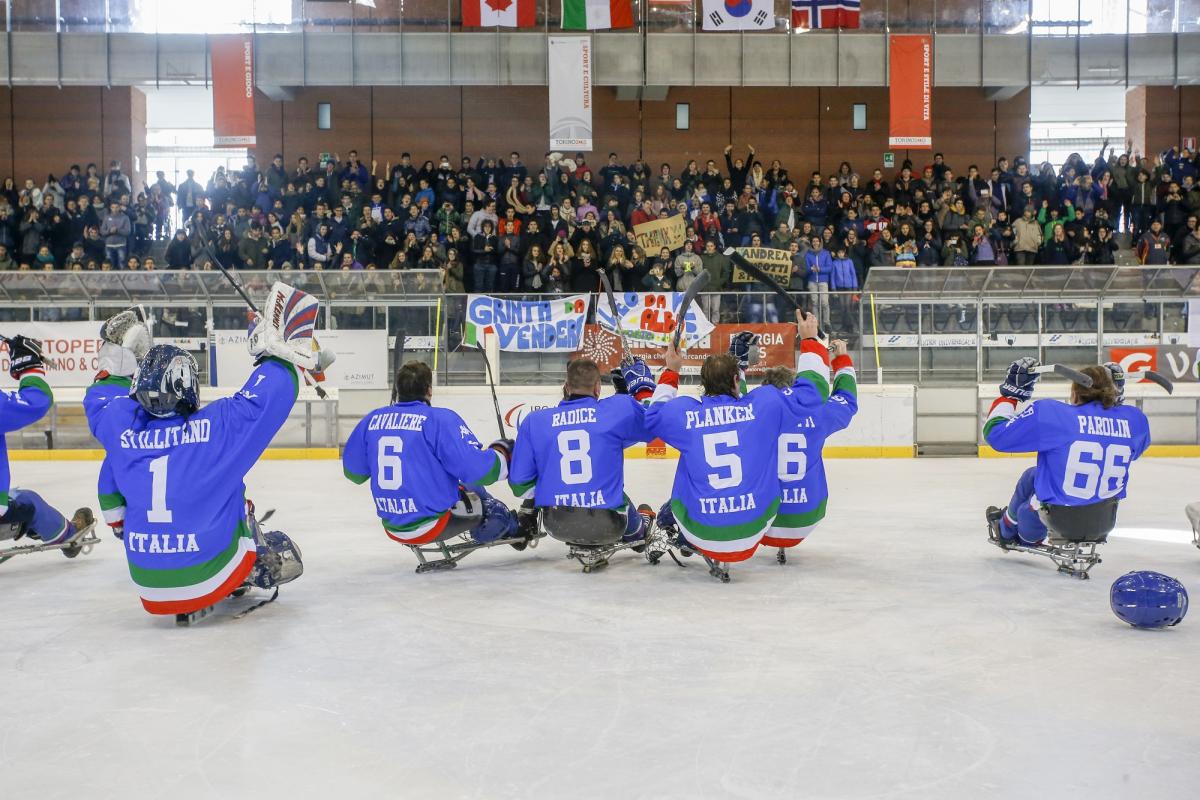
x: 187, y: 589
x: 1004, y: 409
x: 724, y: 542
x: 112, y: 507
x: 812, y: 364
x: 422, y: 531
x: 667, y: 387
x: 844, y: 377
x: 35, y: 379
x: 786, y: 537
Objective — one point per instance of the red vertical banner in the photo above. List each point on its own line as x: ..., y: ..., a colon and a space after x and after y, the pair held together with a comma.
x: 233, y: 91
x: 910, y: 92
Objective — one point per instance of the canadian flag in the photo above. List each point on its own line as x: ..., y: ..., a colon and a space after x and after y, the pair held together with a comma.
x: 501, y: 13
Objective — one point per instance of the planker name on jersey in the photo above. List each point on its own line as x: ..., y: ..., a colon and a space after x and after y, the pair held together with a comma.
x: 397, y: 421
x: 720, y: 415
x: 580, y: 499
x: 1105, y: 426
x: 164, y: 543
x: 190, y: 432
x: 727, y: 505
x: 573, y: 416
x: 395, y: 505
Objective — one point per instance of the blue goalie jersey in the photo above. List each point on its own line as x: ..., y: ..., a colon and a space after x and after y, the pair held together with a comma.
x: 574, y: 454
x: 1083, y: 452
x: 415, y: 457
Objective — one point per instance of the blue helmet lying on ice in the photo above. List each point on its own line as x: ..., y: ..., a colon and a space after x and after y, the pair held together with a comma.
x: 1148, y: 600
x: 166, y: 382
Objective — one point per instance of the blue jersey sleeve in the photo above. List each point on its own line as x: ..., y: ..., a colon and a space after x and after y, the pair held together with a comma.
x: 460, y: 452
x: 112, y: 502
x: 633, y: 426
x: 1032, y: 430
x: 26, y: 405
x: 100, y: 394
x: 355, y: 464
x: 523, y: 474
x: 843, y: 403
x: 250, y: 419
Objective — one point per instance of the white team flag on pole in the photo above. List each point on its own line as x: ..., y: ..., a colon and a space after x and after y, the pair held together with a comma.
x: 739, y: 15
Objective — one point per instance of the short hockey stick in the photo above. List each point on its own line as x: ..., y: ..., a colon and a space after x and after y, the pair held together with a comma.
x: 492, y: 383
x: 689, y: 296
x: 1158, y: 378
x: 626, y: 348
x: 1063, y: 371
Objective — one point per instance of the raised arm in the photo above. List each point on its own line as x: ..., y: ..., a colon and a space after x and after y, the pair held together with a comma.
x: 33, y: 397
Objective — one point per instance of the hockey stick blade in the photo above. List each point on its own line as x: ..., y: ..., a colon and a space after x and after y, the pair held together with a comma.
x: 1063, y: 371
x: 1159, y: 378
x: 492, y: 384
x: 606, y: 284
x: 761, y: 277
x: 685, y: 304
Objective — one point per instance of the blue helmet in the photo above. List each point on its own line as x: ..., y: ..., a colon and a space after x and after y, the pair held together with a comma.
x: 166, y: 382
x: 1118, y: 378
x: 1148, y: 600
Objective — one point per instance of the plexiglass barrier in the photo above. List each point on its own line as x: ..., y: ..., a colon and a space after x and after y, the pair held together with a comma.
x: 930, y: 325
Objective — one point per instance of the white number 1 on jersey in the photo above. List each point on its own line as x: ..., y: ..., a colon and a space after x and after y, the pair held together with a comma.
x: 158, y: 492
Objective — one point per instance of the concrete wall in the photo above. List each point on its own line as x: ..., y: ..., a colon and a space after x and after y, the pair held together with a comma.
x: 46, y: 130
x: 806, y: 128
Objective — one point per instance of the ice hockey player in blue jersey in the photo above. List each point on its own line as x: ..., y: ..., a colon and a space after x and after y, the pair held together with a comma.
x: 726, y: 492
x: 23, y: 512
x: 805, y: 492
x: 172, y: 481
x: 427, y: 470
x: 1084, y: 447
x: 570, y: 460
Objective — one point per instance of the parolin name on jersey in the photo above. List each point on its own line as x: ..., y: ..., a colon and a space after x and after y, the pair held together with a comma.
x: 1105, y: 426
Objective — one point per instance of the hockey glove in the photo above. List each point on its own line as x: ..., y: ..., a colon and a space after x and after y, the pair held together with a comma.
x: 24, y: 354
x: 744, y: 347
x: 128, y: 330
x: 118, y: 529
x: 1118, y: 378
x: 285, y: 328
x: 638, y: 377
x: 1021, y: 379
x: 504, y: 447
x: 618, y: 382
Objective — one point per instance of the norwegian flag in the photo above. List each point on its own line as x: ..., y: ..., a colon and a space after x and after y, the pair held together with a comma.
x: 825, y: 13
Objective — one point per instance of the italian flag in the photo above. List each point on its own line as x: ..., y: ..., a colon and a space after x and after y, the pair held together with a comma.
x: 591, y: 15
x: 473, y: 334
x: 499, y: 13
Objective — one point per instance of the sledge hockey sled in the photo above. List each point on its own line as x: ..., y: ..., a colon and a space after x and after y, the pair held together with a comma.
x: 592, y: 535
x: 669, y: 540
x: 277, y: 557
x: 455, y: 542
x: 82, y: 542
x: 1073, y: 534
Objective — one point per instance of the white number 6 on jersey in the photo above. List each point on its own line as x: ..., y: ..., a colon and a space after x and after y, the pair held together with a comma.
x: 389, y: 474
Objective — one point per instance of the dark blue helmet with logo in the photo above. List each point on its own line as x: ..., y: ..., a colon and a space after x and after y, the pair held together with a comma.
x: 166, y: 382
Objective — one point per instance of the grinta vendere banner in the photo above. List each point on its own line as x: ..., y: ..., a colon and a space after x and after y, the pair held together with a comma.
x: 554, y: 324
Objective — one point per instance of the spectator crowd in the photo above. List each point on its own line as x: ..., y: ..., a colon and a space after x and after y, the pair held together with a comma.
x: 498, y: 225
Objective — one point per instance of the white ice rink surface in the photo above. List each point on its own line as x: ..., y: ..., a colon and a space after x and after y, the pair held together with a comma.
x: 897, y: 655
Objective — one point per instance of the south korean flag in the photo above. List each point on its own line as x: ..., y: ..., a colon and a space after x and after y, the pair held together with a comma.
x: 739, y: 15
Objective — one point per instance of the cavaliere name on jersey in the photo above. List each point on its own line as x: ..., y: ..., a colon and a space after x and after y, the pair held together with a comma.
x: 415, y: 456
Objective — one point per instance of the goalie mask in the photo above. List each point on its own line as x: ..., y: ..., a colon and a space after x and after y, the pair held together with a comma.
x: 166, y: 382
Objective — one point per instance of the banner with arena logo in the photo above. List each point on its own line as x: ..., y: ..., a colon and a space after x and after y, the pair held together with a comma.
x: 233, y: 91
x: 523, y: 326
x: 570, y: 60
x: 650, y: 318
x: 777, y: 344
x: 910, y: 89
x: 362, y: 359
x: 776, y: 263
